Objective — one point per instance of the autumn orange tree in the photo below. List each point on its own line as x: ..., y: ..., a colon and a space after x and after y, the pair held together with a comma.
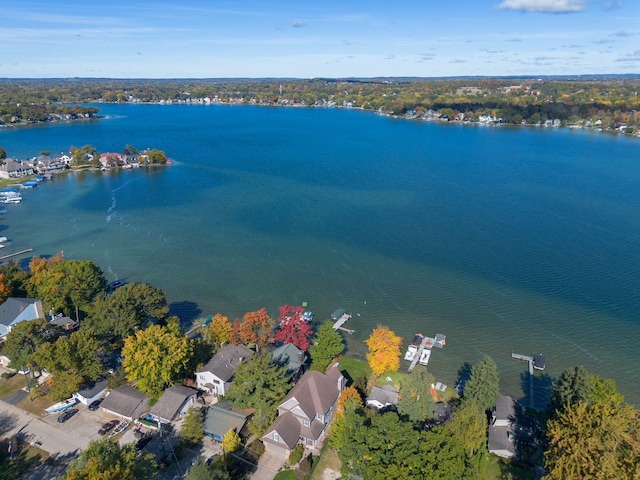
x: 384, y: 350
x: 255, y: 327
x: 5, y: 290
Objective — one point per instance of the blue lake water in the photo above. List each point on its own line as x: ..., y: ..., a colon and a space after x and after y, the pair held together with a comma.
x: 504, y: 239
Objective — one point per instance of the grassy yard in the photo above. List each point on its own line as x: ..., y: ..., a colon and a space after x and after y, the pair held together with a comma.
x: 355, y: 368
x: 25, y: 457
x: 11, y: 385
x: 286, y: 475
x: 328, y: 459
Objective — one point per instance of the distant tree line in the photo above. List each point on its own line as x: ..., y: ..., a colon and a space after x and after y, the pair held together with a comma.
x: 610, y: 101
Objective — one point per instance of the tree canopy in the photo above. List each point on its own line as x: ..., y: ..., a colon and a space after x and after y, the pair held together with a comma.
x: 255, y: 328
x: 156, y: 357
x: 218, y: 331
x: 416, y: 402
x: 384, y: 350
x: 327, y: 344
x: 106, y: 459
x: 293, y: 327
x: 483, y: 385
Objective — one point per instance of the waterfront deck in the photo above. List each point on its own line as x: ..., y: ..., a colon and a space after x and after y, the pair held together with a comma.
x: 537, y: 363
x: 421, y: 352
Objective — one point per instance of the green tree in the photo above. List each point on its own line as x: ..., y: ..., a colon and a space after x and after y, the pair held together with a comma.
x: 325, y: 346
x: 483, y: 385
x: 218, y: 331
x: 156, y: 358
x: 192, y: 428
x: 107, y: 460
x: 416, y: 402
x: 127, y: 309
x: 261, y: 384
x: 201, y: 471
x: 25, y: 338
x: 231, y: 441
x: 3, y: 153
x: 68, y: 285
x: 572, y: 386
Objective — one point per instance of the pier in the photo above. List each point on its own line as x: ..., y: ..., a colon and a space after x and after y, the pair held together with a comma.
x: 414, y: 362
x: 341, y: 317
x: 530, y: 360
x: 4, y: 257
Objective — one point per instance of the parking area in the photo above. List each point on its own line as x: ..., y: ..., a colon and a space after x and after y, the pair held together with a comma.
x: 84, y: 424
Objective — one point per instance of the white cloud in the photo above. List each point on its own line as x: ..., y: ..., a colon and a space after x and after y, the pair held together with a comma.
x: 544, y: 6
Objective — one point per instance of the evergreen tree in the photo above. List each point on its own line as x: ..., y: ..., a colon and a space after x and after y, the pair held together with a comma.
x: 325, y: 346
x: 483, y: 385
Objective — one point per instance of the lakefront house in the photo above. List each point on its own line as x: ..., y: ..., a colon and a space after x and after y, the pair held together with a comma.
x: 306, y: 412
x: 217, y: 375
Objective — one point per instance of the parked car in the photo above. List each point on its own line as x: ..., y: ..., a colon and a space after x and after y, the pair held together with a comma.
x: 107, y: 427
x: 66, y: 415
x: 140, y: 444
x: 93, y: 406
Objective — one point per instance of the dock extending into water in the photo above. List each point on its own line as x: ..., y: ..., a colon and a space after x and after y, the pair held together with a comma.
x: 338, y: 325
x: 426, y: 343
x: 4, y: 257
x: 418, y: 354
x: 538, y: 364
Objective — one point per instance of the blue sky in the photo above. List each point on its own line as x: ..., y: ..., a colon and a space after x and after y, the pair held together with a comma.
x: 329, y: 38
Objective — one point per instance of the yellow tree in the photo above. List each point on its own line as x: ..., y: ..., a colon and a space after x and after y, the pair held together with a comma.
x: 156, y: 357
x: 5, y: 290
x: 218, y: 331
x: 384, y: 350
x: 231, y: 441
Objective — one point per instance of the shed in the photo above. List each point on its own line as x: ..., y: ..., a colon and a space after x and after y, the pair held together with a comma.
x: 91, y: 391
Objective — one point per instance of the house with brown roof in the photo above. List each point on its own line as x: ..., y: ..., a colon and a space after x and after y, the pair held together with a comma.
x: 306, y: 412
x: 173, y: 403
x: 217, y: 375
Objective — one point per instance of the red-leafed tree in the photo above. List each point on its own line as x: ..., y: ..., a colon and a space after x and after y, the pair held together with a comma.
x: 254, y: 328
x: 293, y: 327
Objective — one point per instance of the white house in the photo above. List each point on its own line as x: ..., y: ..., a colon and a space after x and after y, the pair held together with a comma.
x: 15, y: 310
x: 217, y: 375
x: 93, y: 391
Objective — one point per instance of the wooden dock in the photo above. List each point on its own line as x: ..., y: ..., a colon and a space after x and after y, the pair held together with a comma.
x: 415, y: 360
x: 4, y: 257
x: 531, y: 388
x: 341, y: 321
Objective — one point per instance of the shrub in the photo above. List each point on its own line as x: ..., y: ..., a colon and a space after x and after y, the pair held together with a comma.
x: 296, y: 454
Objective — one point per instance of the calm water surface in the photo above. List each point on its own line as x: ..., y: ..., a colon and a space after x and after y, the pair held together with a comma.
x: 506, y: 240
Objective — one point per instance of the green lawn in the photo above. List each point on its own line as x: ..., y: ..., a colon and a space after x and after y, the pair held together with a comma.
x: 11, y: 385
x: 286, y: 475
x: 355, y: 368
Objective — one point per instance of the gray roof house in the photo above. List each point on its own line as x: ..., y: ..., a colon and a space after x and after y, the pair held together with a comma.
x: 291, y: 357
x: 12, y: 168
x: 217, y: 375
x: 502, y: 429
x: 127, y: 402
x: 382, y: 397
x: 90, y: 392
x: 15, y: 310
x: 173, y: 403
x: 306, y: 411
x: 223, y: 417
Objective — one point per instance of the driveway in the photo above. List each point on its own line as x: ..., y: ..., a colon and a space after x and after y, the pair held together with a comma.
x: 268, y: 466
x: 60, y: 439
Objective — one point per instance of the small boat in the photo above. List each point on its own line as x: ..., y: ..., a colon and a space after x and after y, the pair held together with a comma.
x: 61, y: 406
x: 3, y: 239
x: 307, y: 316
x: 12, y: 200
x: 425, y: 356
x: 411, y: 353
x: 120, y: 428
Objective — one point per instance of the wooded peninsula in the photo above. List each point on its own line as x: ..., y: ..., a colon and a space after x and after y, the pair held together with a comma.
x: 608, y: 103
